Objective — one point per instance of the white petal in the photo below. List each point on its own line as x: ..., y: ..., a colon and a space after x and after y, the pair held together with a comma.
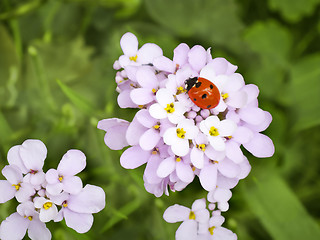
x: 217, y: 143
x: 208, y: 73
x: 260, y: 146
x: 164, y: 64
x: 7, y: 191
x: 15, y: 159
x: 80, y: 222
x: 54, y: 189
x: 208, y: 177
x: 198, y: 204
x: 164, y: 97
x: 180, y: 54
x: 166, y: 167
x: 187, y: 230
x: 25, y: 192
x: 72, y: 162
x: 90, y: 200
x: 227, y: 128
x: 234, y: 83
x: 134, y: 157
x: 170, y: 136
x: 176, y: 213
x: 197, y: 57
x: 197, y: 157
x: 49, y: 214
x: 13, y: 227
x: 129, y: 44
x: 37, y: 230
x: 180, y: 147
x: 142, y: 96
x: 157, y: 111
x: 33, y: 153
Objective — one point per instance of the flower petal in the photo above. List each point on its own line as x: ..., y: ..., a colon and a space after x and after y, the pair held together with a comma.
x: 166, y: 167
x: 252, y: 115
x: 80, y: 222
x: 228, y: 168
x: 12, y: 173
x: 134, y: 157
x: 176, y: 213
x: 149, y: 139
x: 13, y: 227
x: 33, y: 152
x: 208, y: 177
x: 72, y: 162
x: 180, y: 54
x: 234, y: 152
x: 260, y: 146
x: 25, y: 192
x: 148, y: 52
x: 129, y: 44
x: 7, y: 191
x: 197, y: 57
x: 187, y: 230
x: 38, y: 230
x: 164, y: 64
x: 72, y: 185
x: 157, y: 111
x: 197, y: 157
x: 142, y: 96
x: 15, y: 159
x: 90, y: 200
x: 184, y: 172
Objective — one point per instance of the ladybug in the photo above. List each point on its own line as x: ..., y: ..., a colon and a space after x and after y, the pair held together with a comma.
x: 203, y: 92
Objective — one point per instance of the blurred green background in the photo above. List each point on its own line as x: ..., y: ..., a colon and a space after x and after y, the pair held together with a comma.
x: 57, y: 82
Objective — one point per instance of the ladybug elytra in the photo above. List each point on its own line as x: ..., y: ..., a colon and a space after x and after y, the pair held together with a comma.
x: 203, y: 92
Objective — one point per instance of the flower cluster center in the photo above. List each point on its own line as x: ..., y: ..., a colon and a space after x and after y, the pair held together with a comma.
x: 47, y: 205
x: 181, y: 133
x: 157, y: 126
x: 202, y: 147
x: 170, y: 108
x: 60, y: 178
x: 213, y: 131
x: 180, y: 90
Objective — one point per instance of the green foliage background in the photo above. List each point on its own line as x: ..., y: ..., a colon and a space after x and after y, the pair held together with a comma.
x: 57, y: 82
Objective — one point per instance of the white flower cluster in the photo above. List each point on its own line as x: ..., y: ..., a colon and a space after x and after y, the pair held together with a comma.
x: 40, y: 193
x: 195, y: 112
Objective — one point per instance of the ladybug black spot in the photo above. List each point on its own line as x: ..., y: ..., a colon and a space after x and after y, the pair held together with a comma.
x: 194, y: 99
x: 204, y: 96
x: 208, y: 106
x: 198, y: 84
x: 211, y: 86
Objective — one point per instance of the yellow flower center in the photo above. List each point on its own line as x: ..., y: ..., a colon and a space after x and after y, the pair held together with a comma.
x: 47, y: 205
x: 178, y: 159
x: 65, y: 204
x: 153, y: 90
x: 170, y: 108
x: 17, y: 186
x: 181, y: 133
x: 211, y: 229
x: 155, y: 151
x: 133, y: 58
x: 202, y: 147
x: 30, y: 218
x: 180, y: 90
x: 192, y: 215
x: 213, y: 131
x: 156, y: 126
x: 224, y: 96
x: 60, y: 178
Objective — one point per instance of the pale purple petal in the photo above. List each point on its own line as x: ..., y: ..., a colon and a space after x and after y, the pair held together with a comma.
x: 176, y: 213
x: 187, y: 230
x: 54, y: 189
x: 237, y: 99
x: 25, y: 192
x: 234, y: 152
x: 252, y: 92
x: 33, y: 153
x: 142, y: 96
x: 149, y: 139
x: 150, y: 172
x: 49, y: 214
x: 242, y: 135
x: 12, y: 173
x: 260, y: 146
x: 263, y: 125
x: 106, y: 124
x: 184, y: 172
x: 180, y: 54
x: 90, y: 200
x: 148, y: 52
x: 134, y: 157
x: 221, y: 233
x: 164, y: 64
x: 7, y: 191
x: 166, y: 167
x: 72, y: 162
x: 235, y: 83
x: 228, y: 168
x: 146, y: 78
x: 208, y: 177
x: 197, y: 157
x: 37, y: 230
x: 245, y: 169
x: 13, y: 227
x: 135, y: 131
x: 198, y: 204
x: 124, y: 100
x: 115, y: 137
x: 202, y: 216
x: 252, y: 115
x: 37, y: 178
x: 129, y: 44
x: 143, y: 116
x: 80, y: 222
x: 72, y: 185
x: 197, y: 57
x: 52, y: 176
x: 15, y: 159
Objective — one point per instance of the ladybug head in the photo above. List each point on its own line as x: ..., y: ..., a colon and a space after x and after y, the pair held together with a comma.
x: 190, y: 83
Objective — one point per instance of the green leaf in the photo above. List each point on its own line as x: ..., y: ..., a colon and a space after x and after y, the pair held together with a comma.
x: 294, y: 10
x: 305, y: 92
x: 271, y: 41
x: 278, y: 209
x: 211, y: 20
x: 81, y: 103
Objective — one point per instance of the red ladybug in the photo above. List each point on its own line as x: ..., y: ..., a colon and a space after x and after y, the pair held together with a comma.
x: 202, y: 92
